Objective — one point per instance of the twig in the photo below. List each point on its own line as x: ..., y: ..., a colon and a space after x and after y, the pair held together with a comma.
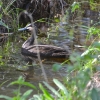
x: 36, y: 42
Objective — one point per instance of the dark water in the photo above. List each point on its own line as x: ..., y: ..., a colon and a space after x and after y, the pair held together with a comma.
x: 8, y: 75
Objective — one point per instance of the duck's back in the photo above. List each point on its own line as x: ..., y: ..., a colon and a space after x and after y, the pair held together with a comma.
x: 45, y: 51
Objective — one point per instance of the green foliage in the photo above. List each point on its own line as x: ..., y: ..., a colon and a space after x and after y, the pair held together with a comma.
x: 95, y: 94
x: 3, y: 24
x: 78, y: 73
x: 46, y: 94
x: 63, y: 90
x: 94, y: 4
x: 62, y: 94
x: 26, y: 95
x: 93, y: 31
x: 75, y: 6
x: 8, y: 6
x: 6, y: 97
x: 21, y: 81
x: 55, y: 92
x: 23, y: 97
x: 20, y: 96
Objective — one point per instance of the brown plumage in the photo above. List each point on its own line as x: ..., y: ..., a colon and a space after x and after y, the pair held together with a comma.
x: 49, y: 52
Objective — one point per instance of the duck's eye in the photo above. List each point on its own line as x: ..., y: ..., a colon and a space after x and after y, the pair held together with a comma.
x: 29, y: 28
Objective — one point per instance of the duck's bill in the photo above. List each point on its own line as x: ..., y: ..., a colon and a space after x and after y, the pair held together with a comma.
x: 22, y: 29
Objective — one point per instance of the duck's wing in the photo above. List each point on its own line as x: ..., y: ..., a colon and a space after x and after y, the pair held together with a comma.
x: 46, y: 51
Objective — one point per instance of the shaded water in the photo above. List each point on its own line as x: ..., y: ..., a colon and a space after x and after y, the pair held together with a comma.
x: 8, y: 75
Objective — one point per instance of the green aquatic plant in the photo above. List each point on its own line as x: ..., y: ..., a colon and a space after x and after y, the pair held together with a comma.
x: 18, y: 95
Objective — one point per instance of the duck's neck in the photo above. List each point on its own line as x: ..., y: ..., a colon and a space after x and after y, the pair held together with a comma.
x: 29, y: 42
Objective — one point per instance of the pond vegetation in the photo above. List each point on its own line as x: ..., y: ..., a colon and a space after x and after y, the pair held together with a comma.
x: 74, y: 26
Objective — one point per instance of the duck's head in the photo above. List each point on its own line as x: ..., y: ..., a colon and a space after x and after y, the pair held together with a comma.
x: 29, y: 28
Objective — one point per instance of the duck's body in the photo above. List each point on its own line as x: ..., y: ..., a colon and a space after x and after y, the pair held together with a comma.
x: 45, y: 51
x: 50, y: 52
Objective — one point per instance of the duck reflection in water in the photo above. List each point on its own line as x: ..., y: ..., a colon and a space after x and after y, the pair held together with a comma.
x: 49, y: 52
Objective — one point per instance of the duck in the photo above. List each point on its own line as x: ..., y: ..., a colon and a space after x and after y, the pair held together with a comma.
x: 49, y: 52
